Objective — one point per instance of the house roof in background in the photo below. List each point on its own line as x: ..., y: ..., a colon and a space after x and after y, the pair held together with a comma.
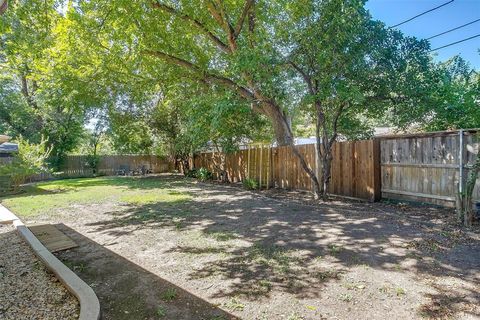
x: 4, y: 138
x: 8, y: 147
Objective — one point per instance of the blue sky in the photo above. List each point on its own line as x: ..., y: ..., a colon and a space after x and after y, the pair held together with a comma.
x: 450, y: 16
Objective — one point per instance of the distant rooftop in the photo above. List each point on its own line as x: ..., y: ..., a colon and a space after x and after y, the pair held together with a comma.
x: 4, y: 138
x: 8, y: 147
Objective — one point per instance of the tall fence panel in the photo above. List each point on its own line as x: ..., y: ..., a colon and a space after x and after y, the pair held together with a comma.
x: 355, y: 168
x: 427, y: 167
x: 236, y: 165
x: 287, y: 170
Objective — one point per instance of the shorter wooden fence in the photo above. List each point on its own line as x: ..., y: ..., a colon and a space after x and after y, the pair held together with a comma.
x: 355, y: 169
x: 77, y: 166
x: 5, y: 160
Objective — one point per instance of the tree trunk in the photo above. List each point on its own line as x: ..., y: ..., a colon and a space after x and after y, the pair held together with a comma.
x: 284, y: 137
x: 464, y: 200
x: 220, y: 165
x: 326, y: 173
x: 281, y: 128
x: 324, y: 150
x: 310, y: 172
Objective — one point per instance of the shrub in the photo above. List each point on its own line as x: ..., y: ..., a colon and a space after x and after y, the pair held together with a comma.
x: 250, y: 184
x: 92, y: 162
x: 30, y: 160
x: 191, y: 173
x: 203, y: 174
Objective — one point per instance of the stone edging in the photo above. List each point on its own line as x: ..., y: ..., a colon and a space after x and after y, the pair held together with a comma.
x: 89, y: 304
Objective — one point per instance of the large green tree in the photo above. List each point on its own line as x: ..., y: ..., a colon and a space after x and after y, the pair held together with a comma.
x: 251, y: 49
x: 351, y: 67
x: 189, y: 118
x: 45, y: 83
x: 455, y: 95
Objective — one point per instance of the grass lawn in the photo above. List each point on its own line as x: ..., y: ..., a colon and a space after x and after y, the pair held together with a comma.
x: 171, y: 248
x: 55, y: 195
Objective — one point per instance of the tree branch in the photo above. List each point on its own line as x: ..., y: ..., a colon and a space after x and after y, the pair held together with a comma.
x: 305, y: 76
x: 202, y: 74
x: 219, y: 15
x: 335, y: 124
x: 219, y: 43
x: 241, y: 20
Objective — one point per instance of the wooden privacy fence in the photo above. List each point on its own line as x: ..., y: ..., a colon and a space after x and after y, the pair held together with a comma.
x: 424, y: 167
x: 355, y: 169
x: 427, y: 167
x: 77, y: 166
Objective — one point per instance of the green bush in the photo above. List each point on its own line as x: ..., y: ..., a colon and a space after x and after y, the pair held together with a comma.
x: 30, y: 160
x: 191, y: 173
x: 203, y: 174
x: 250, y: 184
x: 92, y: 162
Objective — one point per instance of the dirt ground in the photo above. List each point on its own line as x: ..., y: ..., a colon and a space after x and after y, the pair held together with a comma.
x: 229, y: 253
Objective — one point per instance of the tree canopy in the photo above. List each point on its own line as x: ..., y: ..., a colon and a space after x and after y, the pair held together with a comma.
x: 170, y: 77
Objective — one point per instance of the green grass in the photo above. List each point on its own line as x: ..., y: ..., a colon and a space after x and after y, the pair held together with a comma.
x: 161, y: 311
x: 169, y: 294
x: 46, y: 197
x: 222, y: 235
x: 234, y: 305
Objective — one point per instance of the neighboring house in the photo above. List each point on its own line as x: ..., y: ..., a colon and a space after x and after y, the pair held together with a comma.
x: 4, y: 138
x: 7, y: 149
x: 383, y: 131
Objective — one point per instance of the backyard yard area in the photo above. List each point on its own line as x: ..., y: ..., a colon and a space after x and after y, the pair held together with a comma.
x: 169, y: 247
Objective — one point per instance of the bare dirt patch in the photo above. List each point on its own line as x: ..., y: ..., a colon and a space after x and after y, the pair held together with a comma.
x: 229, y: 253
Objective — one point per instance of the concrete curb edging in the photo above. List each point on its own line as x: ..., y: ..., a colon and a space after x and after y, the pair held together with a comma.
x: 89, y: 304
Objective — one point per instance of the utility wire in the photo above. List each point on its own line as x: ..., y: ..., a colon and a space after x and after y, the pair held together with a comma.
x: 421, y: 14
x: 456, y: 28
x: 451, y: 44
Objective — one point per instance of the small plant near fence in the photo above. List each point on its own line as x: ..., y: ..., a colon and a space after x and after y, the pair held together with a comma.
x: 92, y: 161
x: 203, y: 174
x: 191, y: 173
x: 250, y: 184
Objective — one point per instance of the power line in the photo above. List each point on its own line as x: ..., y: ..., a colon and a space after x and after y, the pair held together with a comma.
x: 451, y: 44
x: 421, y: 14
x: 456, y: 28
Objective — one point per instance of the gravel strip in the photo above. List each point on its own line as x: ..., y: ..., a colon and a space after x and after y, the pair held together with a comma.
x: 28, y: 289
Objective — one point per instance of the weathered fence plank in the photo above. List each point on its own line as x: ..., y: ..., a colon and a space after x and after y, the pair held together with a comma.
x: 426, y: 167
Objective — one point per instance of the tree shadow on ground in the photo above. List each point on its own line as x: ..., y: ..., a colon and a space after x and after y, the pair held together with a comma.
x: 299, y: 249
x: 128, y: 291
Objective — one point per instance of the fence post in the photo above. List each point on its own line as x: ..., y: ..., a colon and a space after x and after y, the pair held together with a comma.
x: 269, y: 157
x: 261, y: 164
x: 460, y: 163
x: 248, y: 162
x: 377, y: 169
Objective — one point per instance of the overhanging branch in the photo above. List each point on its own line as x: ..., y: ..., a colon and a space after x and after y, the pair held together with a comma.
x: 220, y: 16
x: 305, y: 76
x: 202, y: 74
x: 243, y: 16
x: 219, y: 43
